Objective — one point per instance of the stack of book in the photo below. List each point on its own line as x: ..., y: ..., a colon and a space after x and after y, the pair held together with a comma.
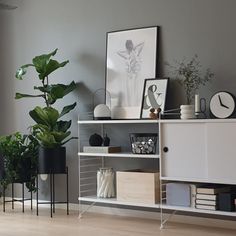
x: 207, y: 196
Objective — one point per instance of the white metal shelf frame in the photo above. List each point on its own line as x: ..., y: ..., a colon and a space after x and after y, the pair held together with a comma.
x: 162, y: 206
x: 85, y: 195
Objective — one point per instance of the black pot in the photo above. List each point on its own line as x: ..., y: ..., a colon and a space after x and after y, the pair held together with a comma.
x: 23, y: 172
x: 52, y: 160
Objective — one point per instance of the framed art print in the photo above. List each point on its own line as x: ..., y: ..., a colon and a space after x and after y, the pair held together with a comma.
x: 154, y: 96
x: 131, y: 58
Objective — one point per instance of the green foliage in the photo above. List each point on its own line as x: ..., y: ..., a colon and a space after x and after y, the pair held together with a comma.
x: 49, y: 130
x: 20, y: 159
x: 190, y: 76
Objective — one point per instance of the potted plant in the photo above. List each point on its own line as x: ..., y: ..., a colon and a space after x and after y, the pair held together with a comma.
x: 19, y: 153
x: 190, y: 76
x: 50, y: 131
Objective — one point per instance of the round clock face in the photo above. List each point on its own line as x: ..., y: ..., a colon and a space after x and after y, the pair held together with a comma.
x: 222, y: 105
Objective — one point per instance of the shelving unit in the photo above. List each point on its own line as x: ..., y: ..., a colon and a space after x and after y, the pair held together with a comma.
x: 89, y: 163
x: 195, y: 150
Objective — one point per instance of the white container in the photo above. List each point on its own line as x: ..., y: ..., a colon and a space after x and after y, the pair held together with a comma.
x: 105, y: 183
x: 187, y: 112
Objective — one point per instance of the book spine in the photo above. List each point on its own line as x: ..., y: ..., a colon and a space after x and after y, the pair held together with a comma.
x: 206, y: 207
x: 206, y: 196
x: 193, y: 192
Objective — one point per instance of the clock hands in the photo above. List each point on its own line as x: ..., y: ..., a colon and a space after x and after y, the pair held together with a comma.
x: 222, y: 103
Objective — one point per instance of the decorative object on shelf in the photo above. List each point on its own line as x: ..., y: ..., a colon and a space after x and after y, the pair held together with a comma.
x: 200, y: 106
x: 95, y: 140
x: 105, y: 183
x: 106, y: 141
x: 222, y: 105
x: 131, y: 57
x: 178, y: 194
x: 187, y: 112
x: 154, y: 115
x: 143, y: 143
x: 190, y: 76
x: 101, y: 149
x: 154, y: 95
x: 101, y: 111
x: 50, y: 130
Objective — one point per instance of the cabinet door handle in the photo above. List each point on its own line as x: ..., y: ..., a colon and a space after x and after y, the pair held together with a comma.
x: 165, y: 149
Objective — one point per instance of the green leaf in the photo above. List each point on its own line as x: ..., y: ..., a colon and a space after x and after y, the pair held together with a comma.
x: 60, y: 136
x: 56, y: 91
x: 62, y: 126
x: 22, y: 95
x: 51, y: 66
x: 41, y: 61
x: 69, y: 140
x: 44, y: 65
x: 45, y: 116
x: 67, y: 109
x: 47, y: 140
x: 22, y: 71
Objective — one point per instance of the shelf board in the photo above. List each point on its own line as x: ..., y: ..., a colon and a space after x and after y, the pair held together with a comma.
x: 127, y: 155
x: 198, y: 121
x: 138, y: 121
x: 114, y: 201
x: 196, y: 180
x: 192, y: 209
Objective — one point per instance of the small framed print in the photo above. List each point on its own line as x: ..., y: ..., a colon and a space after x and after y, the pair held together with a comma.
x: 131, y: 57
x: 154, y: 96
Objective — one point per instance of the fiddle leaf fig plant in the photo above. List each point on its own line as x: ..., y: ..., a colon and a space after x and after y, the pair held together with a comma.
x: 50, y: 130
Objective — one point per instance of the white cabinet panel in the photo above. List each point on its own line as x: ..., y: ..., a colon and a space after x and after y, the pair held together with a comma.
x: 186, y: 155
x: 221, y: 152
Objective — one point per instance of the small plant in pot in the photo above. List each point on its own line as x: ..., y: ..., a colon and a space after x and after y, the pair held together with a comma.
x: 190, y: 76
x: 50, y: 131
x: 19, y: 153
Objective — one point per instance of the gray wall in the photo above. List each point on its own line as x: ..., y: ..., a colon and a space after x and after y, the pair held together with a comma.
x: 78, y: 29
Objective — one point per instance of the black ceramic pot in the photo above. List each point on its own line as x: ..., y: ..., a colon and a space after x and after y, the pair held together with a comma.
x: 23, y: 172
x: 52, y: 160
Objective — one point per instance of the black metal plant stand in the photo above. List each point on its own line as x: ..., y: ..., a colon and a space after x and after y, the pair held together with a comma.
x: 52, y: 201
x: 13, y: 199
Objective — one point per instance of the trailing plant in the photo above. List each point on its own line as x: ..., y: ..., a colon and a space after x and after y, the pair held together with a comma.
x: 50, y: 130
x: 190, y: 76
x: 19, y: 154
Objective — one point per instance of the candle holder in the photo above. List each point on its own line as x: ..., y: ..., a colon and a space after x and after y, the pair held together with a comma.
x: 200, y: 107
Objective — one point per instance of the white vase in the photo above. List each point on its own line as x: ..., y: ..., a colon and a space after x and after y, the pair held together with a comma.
x: 187, y: 112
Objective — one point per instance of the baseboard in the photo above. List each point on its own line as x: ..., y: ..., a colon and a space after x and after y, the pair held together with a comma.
x: 187, y: 219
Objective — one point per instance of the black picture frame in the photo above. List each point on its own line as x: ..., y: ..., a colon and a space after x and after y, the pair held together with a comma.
x: 154, y: 95
x: 131, y: 57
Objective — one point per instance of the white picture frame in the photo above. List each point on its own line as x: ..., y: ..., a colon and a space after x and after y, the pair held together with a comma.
x: 131, y: 57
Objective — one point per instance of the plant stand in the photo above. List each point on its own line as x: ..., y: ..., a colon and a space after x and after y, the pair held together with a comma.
x: 52, y: 201
x: 13, y: 199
